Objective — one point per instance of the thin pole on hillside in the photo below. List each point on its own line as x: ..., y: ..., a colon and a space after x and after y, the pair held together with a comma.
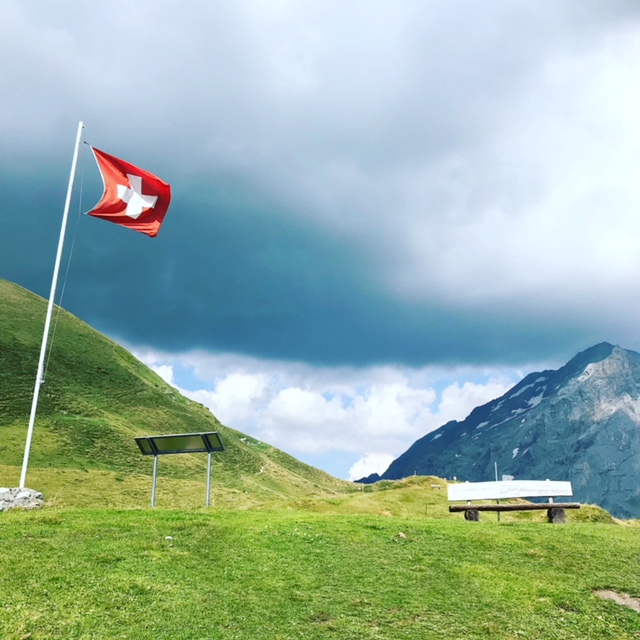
x: 208, y: 501
x: 497, y: 501
x: 47, y: 323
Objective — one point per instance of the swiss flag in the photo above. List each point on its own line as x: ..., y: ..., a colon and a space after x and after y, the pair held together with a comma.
x: 132, y: 197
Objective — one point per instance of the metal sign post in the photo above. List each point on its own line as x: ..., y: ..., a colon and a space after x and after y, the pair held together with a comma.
x: 153, y: 485
x: 209, y: 479
x: 497, y: 501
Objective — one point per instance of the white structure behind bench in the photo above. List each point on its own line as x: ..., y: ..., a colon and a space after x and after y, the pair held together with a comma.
x: 470, y: 491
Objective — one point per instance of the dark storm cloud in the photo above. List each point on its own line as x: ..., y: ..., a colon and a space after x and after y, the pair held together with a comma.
x: 230, y: 273
x: 412, y: 183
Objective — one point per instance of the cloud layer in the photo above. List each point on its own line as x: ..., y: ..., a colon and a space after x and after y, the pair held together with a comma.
x: 417, y: 182
x: 365, y: 194
x: 372, y: 414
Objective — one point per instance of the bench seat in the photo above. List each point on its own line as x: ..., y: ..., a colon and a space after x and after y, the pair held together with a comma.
x: 533, y: 506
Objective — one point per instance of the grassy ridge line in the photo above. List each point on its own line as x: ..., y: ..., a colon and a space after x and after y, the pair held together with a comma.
x: 413, y: 497
x: 97, y: 397
x: 280, y: 575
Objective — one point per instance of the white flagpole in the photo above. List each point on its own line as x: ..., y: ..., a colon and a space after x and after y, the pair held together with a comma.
x: 47, y: 324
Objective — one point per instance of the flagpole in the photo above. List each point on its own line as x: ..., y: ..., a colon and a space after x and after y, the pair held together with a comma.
x: 47, y: 324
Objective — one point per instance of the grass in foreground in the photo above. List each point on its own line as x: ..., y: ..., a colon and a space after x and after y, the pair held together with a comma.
x: 74, y: 573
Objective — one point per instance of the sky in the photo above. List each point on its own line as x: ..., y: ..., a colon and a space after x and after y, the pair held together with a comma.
x: 384, y: 213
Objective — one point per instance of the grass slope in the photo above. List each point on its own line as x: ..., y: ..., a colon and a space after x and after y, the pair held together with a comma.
x: 276, y: 575
x: 287, y: 552
x: 97, y: 397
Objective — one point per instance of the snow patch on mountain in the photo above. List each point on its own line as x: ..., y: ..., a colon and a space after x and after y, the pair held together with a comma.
x: 536, y: 400
x: 517, y: 393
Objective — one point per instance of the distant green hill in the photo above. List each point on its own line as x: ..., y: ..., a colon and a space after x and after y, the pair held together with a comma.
x: 95, y: 399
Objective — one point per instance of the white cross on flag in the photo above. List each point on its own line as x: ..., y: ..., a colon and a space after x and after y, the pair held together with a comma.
x: 132, y: 197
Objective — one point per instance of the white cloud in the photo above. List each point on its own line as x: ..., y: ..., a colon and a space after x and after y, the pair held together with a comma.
x: 459, y: 400
x: 368, y: 464
x: 165, y: 371
x: 544, y: 209
x: 375, y: 413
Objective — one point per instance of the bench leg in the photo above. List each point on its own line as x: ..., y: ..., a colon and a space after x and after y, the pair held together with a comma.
x: 472, y: 514
x: 556, y: 515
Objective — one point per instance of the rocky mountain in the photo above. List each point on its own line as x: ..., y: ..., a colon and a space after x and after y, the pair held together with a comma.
x: 580, y: 423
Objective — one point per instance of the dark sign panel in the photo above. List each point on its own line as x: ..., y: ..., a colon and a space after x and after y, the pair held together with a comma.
x: 180, y: 443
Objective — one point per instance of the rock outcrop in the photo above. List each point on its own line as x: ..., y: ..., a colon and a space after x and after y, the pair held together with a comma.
x: 20, y: 498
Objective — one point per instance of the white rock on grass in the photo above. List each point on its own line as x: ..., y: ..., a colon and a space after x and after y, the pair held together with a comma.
x: 20, y: 498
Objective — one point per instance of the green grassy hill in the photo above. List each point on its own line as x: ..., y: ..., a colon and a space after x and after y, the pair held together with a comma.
x: 96, y: 398
x: 288, y: 551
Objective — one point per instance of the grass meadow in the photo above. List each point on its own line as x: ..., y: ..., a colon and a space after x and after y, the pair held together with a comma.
x: 294, y: 574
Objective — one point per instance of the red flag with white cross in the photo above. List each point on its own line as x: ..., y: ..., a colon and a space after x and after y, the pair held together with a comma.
x: 132, y: 197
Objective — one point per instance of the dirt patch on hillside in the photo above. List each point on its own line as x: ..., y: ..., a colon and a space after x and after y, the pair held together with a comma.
x: 621, y: 598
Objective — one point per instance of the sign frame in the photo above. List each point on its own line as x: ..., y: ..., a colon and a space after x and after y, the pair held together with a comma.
x: 205, y: 442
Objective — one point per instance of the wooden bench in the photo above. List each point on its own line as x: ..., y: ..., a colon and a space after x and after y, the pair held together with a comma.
x: 471, y: 491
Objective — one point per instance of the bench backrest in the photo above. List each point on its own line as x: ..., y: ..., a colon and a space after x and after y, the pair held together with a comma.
x: 509, y: 489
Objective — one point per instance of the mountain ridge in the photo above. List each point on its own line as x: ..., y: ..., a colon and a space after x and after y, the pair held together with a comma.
x: 580, y: 423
